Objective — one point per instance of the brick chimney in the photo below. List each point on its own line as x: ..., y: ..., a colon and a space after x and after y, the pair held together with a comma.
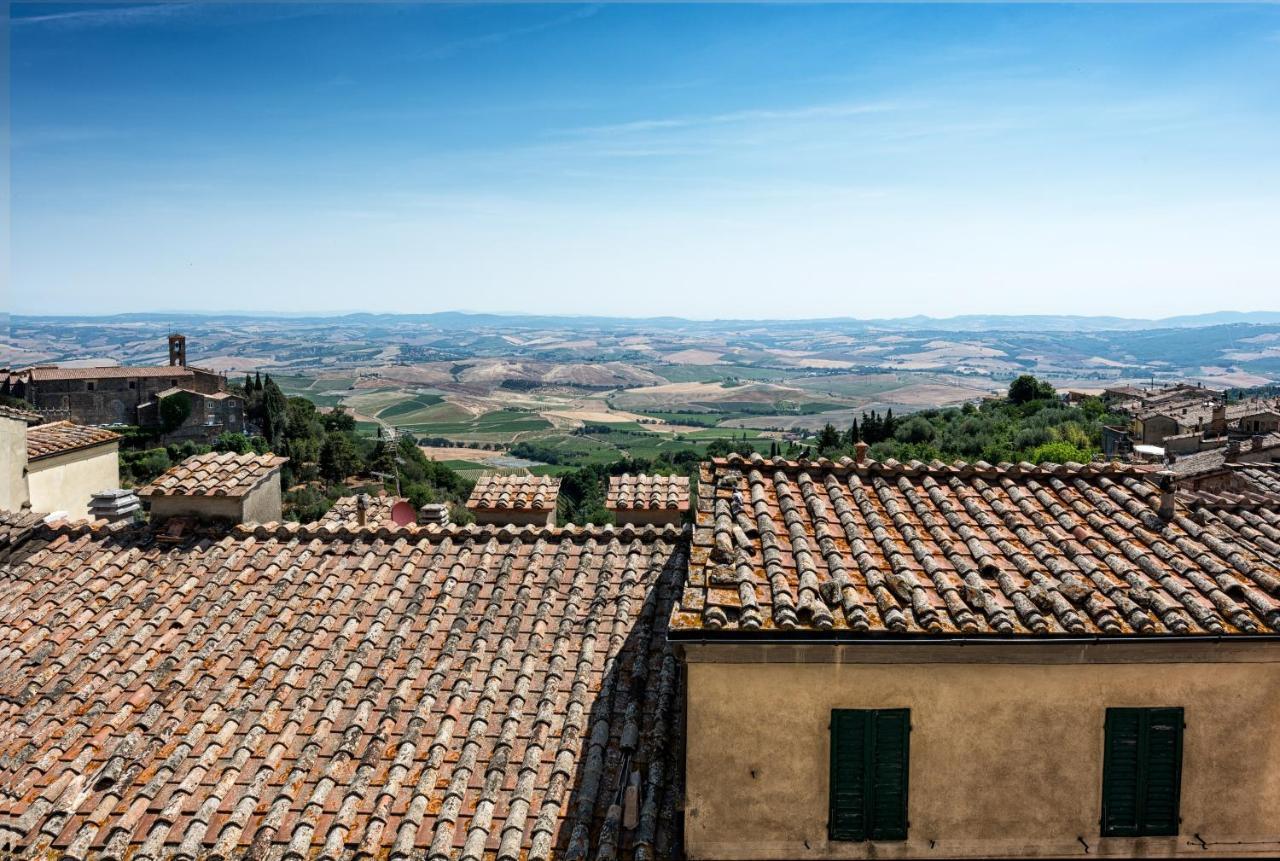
x: 178, y: 350
x: 860, y: 452
x: 1167, y: 502
x: 1233, y: 450
x: 1218, y: 423
x: 1259, y: 442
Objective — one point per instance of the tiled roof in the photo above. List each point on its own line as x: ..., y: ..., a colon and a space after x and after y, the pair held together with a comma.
x: 527, y: 492
x: 225, y: 474
x: 935, y: 549
x: 1214, y: 459
x: 20, y: 415
x: 56, y: 438
x: 345, y: 510
x: 114, y: 372
x: 648, y: 491
x: 290, y: 691
x: 15, y: 526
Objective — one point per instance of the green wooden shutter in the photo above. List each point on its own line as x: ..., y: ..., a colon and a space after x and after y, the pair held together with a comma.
x: 1163, y: 771
x: 849, y: 772
x: 889, y: 778
x: 869, y: 765
x: 1141, y: 772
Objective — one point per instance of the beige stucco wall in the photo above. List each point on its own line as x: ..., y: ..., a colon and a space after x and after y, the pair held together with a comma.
x: 1006, y: 758
x: 13, y: 463
x: 67, y: 482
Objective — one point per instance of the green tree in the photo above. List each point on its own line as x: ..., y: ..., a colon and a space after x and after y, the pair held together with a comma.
x: 1027, y: 388
x: 916, y: 430
x: 275, y: 407
x: 233, y: 442
x: 338, y: 458
x: 828, y: 439
x: 174, y: 410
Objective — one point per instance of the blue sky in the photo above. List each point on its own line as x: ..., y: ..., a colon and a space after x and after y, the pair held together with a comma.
x: 697, y: 160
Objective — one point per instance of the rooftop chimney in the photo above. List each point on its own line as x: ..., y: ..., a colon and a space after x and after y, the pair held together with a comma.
x: 1218, y: 423
x: 433, y: 514
x: 1167, y: 505
x: 178, y: 350
x: 860, y: 452
x: 115, y: 506
x: 1259, y: 441
x: 1233, y: 450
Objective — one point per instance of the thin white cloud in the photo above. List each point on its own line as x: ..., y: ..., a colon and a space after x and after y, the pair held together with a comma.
x: 450, y: 49
x: 808, y: 112
x: 117, y: 16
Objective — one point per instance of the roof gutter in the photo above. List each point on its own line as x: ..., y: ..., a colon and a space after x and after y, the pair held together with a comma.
x: 806, y: 638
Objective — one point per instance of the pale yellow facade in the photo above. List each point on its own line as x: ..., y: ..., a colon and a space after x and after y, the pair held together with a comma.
x: 67, y: 482
x: 13, y: 464
x: 1006, y: 746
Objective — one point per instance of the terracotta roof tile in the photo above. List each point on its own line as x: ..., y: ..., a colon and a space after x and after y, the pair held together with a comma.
x: 291, y: 691
x: 936, y: 549
x: 7, y: 412
x: 113, y: 372
x: 15, y: 526
x: 524, y: 492
x: 345, y: 510
x: 225, y: 474
x: 57, y: 438
x: 648, y: 491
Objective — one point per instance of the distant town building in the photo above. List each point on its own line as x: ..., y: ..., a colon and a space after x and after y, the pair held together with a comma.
x: 126, y: 394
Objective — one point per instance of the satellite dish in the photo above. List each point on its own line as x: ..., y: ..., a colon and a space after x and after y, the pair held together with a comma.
x: 402, y: 513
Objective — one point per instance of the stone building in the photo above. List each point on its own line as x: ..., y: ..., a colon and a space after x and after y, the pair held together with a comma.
x: 113, y: 395
x: 210, y: 415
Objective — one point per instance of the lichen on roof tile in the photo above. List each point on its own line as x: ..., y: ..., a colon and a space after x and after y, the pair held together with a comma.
x: 304, y: 692
x: 935, y: 549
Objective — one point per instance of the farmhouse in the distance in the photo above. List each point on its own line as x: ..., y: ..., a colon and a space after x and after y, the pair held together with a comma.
x: 136, y: 394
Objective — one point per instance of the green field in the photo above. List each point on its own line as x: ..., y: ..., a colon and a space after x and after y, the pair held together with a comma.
x: 717, y: 373
x: 496, y: 426
x: 410, y: 410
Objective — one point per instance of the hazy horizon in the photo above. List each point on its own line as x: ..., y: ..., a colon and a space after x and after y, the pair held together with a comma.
x: 700, y: 161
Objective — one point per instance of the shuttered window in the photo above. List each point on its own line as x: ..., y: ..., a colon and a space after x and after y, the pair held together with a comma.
x: 1142, y: 772
x: 869, y: 764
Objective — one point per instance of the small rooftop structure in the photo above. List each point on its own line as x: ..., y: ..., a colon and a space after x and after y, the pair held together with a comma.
x: 515, y: 499
x: 362, y: 509
x: 64, y: 437
x: 639, y: 499
x: 227, y: 486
